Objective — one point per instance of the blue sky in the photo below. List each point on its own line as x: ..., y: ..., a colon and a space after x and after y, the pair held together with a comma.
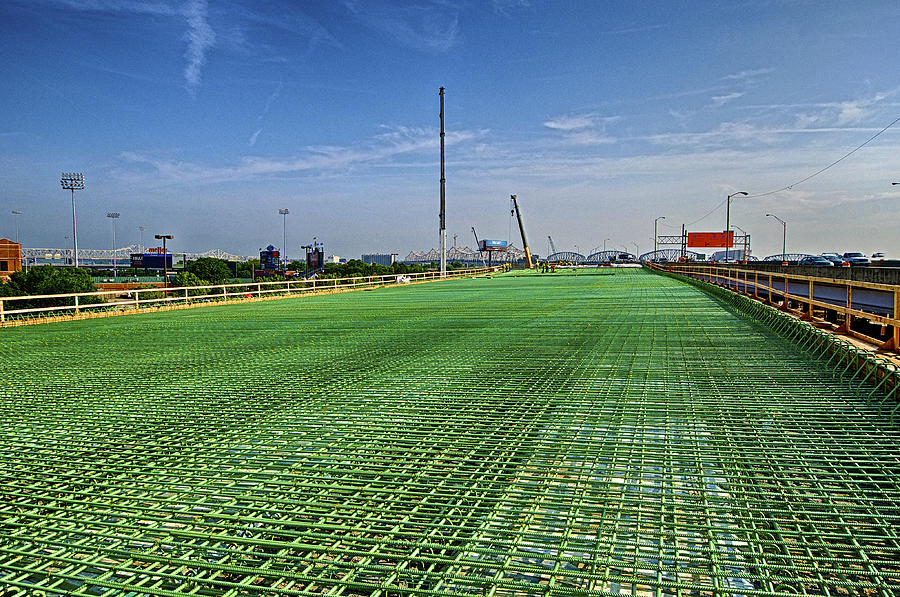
x: 202, y: 119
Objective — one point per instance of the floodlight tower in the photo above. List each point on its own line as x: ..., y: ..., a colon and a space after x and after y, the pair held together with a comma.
x: 284, y: 213
x: 73, y: 181
x: 114, y: 215
x: 142, y: 228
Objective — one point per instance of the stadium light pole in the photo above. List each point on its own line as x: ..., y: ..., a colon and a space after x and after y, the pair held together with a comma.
x: 142, y: 228
x: 728, y: 218
x: 73, y: 181
x: 655, y: 234
x: 284, y: 213
x: 114, y: 215
x: 604, y: 243
x: 165, y: 260
x: 783, y: 238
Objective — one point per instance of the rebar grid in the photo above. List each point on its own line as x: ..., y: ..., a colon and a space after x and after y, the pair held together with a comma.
x: 534, y: 435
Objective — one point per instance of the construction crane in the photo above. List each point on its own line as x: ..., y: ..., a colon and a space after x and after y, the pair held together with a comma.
x: 478, y: 245
x: 528, y: 261
x: 552, y: 246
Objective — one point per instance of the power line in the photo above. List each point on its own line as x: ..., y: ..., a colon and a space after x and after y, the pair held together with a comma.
x: 709, y: 213
x: 813, y: 175
x: 834, y: 163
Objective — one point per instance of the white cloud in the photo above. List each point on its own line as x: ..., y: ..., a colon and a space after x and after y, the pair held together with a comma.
x: 583, y: 129
x: 571, y: 123
x: 200, y: 38
x: 253, y: 137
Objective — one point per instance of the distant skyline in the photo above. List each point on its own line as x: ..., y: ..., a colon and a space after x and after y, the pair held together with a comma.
x: 203, y: 119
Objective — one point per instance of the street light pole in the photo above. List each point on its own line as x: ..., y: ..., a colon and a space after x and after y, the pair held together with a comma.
x: 728, y: 219
x: 783, y: 238
x: 114, y: 215
x: 655, y: 235
x: 284, y: 212
x: 73, y: 181
x: 165, y: 258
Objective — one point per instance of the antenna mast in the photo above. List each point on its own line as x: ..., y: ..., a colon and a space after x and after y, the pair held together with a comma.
x: 443, y: 215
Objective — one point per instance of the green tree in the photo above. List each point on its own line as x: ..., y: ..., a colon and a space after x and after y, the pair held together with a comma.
x: 46, y: 279
x: 297, y: 266
x: 210, y: 270
x: 245, y: 268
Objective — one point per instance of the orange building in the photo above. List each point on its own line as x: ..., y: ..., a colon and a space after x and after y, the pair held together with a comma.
x: 10, y: 258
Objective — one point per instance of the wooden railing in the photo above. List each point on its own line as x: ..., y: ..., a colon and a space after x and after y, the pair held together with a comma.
x: 877, y: 303
x: 12, y: 310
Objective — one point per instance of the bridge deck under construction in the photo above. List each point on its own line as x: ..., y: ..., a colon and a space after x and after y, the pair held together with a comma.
x: 553, y: 434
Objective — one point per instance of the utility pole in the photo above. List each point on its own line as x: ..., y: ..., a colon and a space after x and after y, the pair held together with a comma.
x: 443, y: 214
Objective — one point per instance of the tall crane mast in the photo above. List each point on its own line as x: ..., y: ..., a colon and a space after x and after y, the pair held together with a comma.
x: 552, y: 246
x: 528, y: 260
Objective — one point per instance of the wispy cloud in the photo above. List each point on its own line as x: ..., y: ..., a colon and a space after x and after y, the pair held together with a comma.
x: 583, y: 129
x: 429, y: 26
x: 134, y: 6
x: 200, y: 38
x: 253, y: 137
x: 720, y: 100
x: 729, y: 134
x: 272, y: 97
x: 626, y: 30
x: 504, y: 7
x: 744, y: 75
x: 379, y: 150
x: 571, y: 123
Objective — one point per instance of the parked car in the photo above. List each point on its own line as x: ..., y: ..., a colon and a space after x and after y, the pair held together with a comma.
x: 856, y: 258
x: 878, y: 256
x: 816, y: 261
x: 836, y: 259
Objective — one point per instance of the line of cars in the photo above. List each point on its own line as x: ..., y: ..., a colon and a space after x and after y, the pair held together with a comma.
x: 848, y: 259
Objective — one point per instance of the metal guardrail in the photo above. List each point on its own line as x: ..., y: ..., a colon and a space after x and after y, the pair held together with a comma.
x: 140, y: 298
x: 878, y: 303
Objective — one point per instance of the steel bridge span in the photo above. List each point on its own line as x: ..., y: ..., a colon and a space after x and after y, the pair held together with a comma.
x: 566, y: 434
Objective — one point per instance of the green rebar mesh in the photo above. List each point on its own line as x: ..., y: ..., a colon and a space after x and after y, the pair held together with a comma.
x: 523, y: 435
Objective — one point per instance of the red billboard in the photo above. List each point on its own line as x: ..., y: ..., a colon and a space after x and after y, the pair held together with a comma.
x: 716, y: 240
